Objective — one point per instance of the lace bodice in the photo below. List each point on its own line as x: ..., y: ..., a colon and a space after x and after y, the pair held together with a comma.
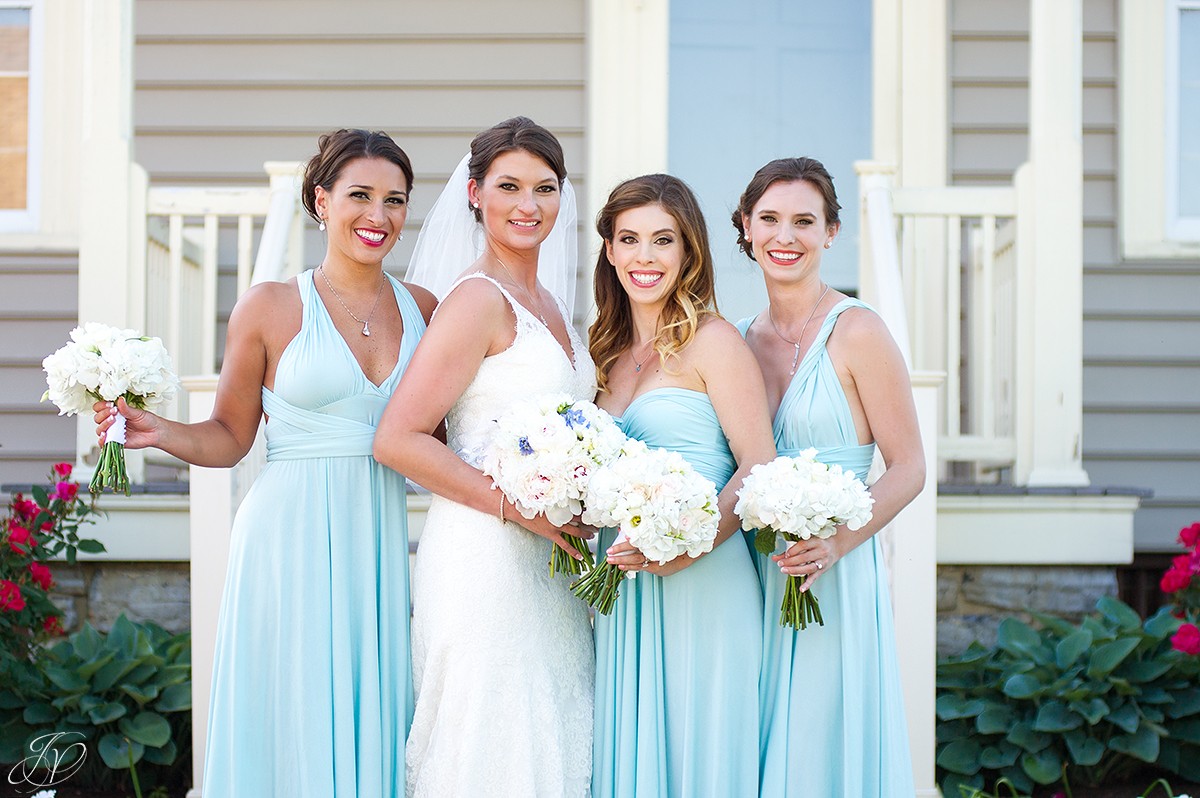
x: 543, y: 367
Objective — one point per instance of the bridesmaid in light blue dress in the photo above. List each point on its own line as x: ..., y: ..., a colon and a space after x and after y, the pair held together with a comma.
x: 832, y: 711
x: 311, y: 690
x: 677, y: 661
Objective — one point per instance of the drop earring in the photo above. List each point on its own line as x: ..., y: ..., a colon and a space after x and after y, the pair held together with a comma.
x: 321, y: 224
x: 400, y: 237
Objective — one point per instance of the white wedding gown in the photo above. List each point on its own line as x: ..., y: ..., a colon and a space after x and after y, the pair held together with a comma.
x: 503, y: 659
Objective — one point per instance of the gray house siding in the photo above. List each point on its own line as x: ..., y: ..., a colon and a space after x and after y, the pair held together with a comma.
x: 223, y: 85
x: 1141, y: 367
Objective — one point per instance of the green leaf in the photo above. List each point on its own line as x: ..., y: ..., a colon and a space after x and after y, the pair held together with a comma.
x: 64, y: 679
x: 1023, y: 685
x: 171, y: 674
x: 107, y: 713
x: 1044, y: 767
x: 955, y: 785
x: 1120, y: 613
x: 1016, y: 637
x: 1108, y: 656
x: 1053, y: 623
x: 88, y: 546
x: 175, y: 698
x: 115, y: 749
x: 147, y: 728
x: 164, y: 755
x: 765, y: 540
x: 1187, y: 731
x: 1024, y: 735
x: 1084, y: 750
x: 42, y: 497
x: 960, y: 756
x: 1187, y: 702
x: 109, y: 674
x: 1146, y: 671
x: 87, y: 642
x: 998, y: 757
x: 1071, y: 647
x: 996, y: 719
x: 950, y: 706
x: 39, y: 713
x: 1092, y: 710
x: 1053, y: 716
x: 1126, y: 718
x: 1142, y: 744
x: 140, y: 694
x: 87, y: 670
x: 1162, y: 624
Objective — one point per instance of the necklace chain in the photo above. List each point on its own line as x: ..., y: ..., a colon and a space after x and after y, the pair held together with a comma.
x: 366, y: 330
x: 637, y: 367
x: 796, y: 343
x: 537, y: 306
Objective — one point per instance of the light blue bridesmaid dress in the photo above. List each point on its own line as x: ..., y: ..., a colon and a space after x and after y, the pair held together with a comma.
x: 312, y: 692
x: 832, y: 708
x: 677, y: 661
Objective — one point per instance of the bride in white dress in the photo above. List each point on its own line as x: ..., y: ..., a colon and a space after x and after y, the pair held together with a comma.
x: 503, y: 661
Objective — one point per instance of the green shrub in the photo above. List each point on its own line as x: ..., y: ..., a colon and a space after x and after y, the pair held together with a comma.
x: 127, y: 696
x: 1086, y: 703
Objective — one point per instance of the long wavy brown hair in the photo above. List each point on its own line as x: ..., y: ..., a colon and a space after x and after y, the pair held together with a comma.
x: 694, y: 297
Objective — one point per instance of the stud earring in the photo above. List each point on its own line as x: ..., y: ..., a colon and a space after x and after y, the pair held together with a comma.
x: 828, y: 244
x: 321, y: 224
x: 475, y: 205
x: 400, y: 237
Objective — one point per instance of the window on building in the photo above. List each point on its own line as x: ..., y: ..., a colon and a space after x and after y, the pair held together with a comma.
x: 15, y: 40
x: 1183, y: 119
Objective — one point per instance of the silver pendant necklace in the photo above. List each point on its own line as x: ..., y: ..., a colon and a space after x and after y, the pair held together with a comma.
x: 796, y: 343
x: 366, y: 330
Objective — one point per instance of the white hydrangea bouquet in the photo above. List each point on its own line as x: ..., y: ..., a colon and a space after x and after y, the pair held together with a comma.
x: 542, y: 454
x: 797, y: 498
x: 102, y: 363
x: 659, y: 503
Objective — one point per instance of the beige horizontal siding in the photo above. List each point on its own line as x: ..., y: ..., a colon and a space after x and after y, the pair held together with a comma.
x: 1141, y: 319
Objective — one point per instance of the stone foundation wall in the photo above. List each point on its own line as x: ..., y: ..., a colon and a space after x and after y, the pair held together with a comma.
x: 99, y: 592
x: 972, y: 600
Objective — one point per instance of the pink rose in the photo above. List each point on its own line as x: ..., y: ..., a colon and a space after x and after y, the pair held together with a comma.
x: 53, y: 625
x: 61, y: 470
x: 1175, y: 579
x: 65, y: 491
x: 11, y: 598
x: 1187, y: 639
x: 1190, y: 535
x: 41, y: 575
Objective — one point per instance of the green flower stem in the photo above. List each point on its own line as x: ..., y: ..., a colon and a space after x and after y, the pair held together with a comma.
x: 800, y: 607
x: 562, y: 562
x: 600, y: 587
x: 110, y: 471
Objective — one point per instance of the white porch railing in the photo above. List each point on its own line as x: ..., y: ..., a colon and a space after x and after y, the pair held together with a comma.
x: 957, y: 274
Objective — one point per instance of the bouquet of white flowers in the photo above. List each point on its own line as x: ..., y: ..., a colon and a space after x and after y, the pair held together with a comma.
x: 796, y: 498
x: 102, y: 363
x: 659, y: 503
x: 542, y: 454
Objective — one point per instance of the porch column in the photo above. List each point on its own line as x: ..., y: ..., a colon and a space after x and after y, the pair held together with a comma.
x: 111, y: 269
x: 1050, y: 267
x: 628, y: 52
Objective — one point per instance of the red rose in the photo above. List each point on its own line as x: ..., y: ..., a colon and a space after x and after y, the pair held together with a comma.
x: 1175, y: 579
x: 10, y: 596
x: 19, y: 536
x: 25, y: 509
x: 53, y: 625
x: 1190, y: 535
x: 65, y: 491
x: 61, y: 470
x: 41, y: 575
x: 1187, y: 639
